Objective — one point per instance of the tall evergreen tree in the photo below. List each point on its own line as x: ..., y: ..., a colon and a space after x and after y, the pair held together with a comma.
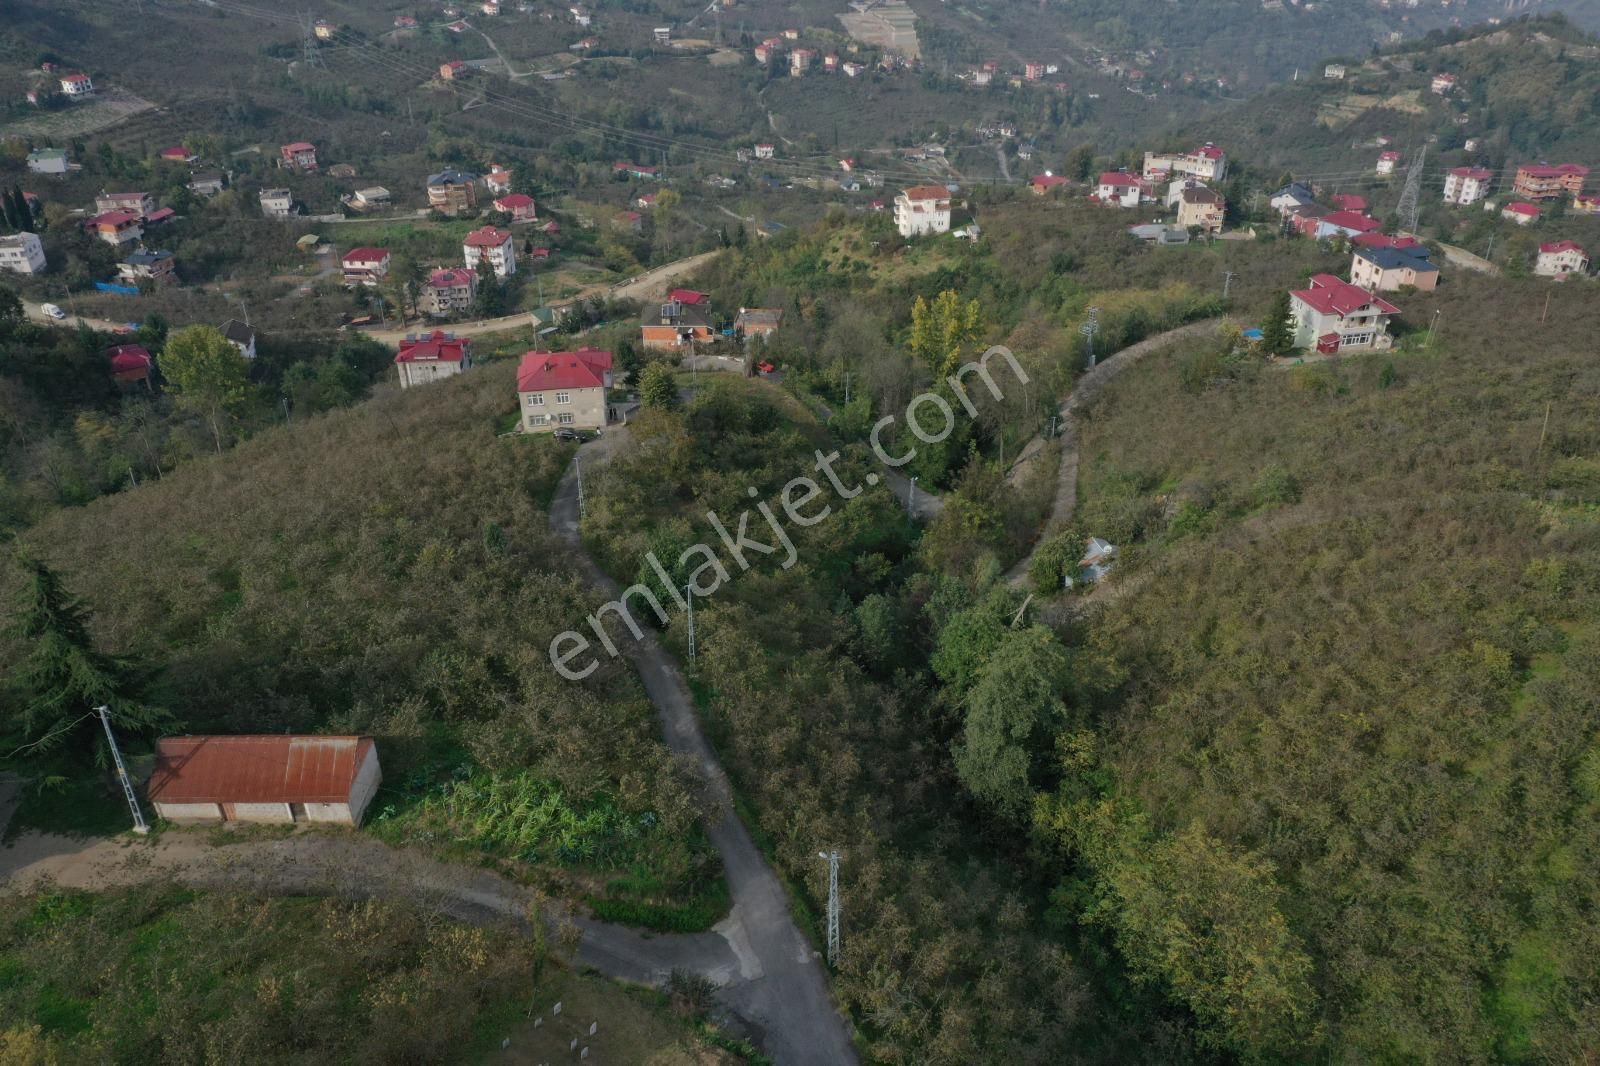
x: 1277, y: 332
x: 24, y: 212
x: 64, y: 677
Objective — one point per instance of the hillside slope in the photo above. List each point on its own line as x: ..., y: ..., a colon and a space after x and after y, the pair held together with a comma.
x: 1354, y: 645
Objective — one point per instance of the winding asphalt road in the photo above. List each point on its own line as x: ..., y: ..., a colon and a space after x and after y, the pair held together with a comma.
x: 778, y: 986
x: 1088, y: 387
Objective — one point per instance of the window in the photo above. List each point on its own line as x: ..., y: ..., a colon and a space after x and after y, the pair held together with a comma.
x: 538, y: 420
x: 563, y: 397
x: 536, y: 399
x: 564, y: 419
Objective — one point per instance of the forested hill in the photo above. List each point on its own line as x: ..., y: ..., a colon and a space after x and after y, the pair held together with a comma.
x: 1343, y: 729
x: 1525, y: 91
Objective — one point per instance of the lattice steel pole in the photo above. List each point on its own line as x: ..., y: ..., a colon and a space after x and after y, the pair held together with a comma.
x: 832, y: 855
x: 139, y: 825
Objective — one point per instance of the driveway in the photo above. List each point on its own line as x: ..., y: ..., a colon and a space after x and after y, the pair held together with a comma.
x: 781, y: 989
x: 1089, y: 386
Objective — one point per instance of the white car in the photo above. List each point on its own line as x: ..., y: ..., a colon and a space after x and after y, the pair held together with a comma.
x: 53, y: 311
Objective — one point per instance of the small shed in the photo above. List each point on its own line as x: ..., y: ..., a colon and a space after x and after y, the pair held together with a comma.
x: 329, y: 779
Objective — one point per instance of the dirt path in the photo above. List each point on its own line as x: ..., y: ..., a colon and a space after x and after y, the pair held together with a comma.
x: 1089, y: 386
x: 340, y: 863
x: 650, y: 283
x: 782, y: 991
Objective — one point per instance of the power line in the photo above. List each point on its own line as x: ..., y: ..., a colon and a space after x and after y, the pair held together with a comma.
x: 49, y: 736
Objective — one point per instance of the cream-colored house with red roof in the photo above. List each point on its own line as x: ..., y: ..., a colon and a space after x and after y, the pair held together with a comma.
x: 922, y: 209
x: 430, y: 357
x: 564, y: 390
x: 494, y: 244
x: 1335, y: 316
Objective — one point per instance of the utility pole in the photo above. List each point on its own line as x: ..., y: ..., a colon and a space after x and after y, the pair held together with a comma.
x: 1090, y: 327
x: 1546, y: 313
x: 832, y: 855
x: 911, y: 500
x: 1431, y: 327
x: 688, y: 595
x: 139, y: 825
x: 1227, y: 283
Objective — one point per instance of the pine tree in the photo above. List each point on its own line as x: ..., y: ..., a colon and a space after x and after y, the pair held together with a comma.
x: 24, y: 212
x: 63, y: 677
x: 8, y: 208
x: 1277, y: 333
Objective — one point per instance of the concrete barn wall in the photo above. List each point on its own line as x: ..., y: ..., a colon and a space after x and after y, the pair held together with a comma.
x: 189, y: 812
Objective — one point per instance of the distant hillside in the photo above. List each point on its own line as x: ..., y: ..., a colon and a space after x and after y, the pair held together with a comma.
x: 1530, y: 90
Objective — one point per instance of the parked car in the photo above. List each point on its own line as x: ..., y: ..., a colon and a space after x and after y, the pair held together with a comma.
x: 572, y: 435
x: 53, y: 311
x: 765, y: 366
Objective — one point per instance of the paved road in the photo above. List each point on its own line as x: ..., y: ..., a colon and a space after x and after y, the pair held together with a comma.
x: 1087, y: 388
x: 782, y: 991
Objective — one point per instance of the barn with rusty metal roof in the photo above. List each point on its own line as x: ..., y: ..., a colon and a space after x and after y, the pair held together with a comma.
x: 329, y: 779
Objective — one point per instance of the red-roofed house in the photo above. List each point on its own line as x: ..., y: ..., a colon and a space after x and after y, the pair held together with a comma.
x: 1043, y: 183
x: 498, y: 180
x: 451, y: 69
x: 1545, y: 182
x: 1443, y: 84
x: 1387, y: 161
x: 298, y: 155
x: 690, y: 296
x: 495, y: 245
x: 922, y: 209
x: 1118, y: 188
x: 519, y: 205
x: 1349, y: 201
x: 1335, y: 316
x: 116, y: 228
x: 564, y: 390
x: 178, y: 154
x: 1520, y: 212
x: 637, y: 170
x: 366, y: 266
x: 632, y: 221
x: 1586, y: 205
x: 1466, y: 185
x: 1338, y: 223
x: 264, y: 779
x: 130, y: 364
x: 1557, y: 259
x: 1384, y: 240
x: 448, y: 292
x: 431, y: 356
x: 77, y: 86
